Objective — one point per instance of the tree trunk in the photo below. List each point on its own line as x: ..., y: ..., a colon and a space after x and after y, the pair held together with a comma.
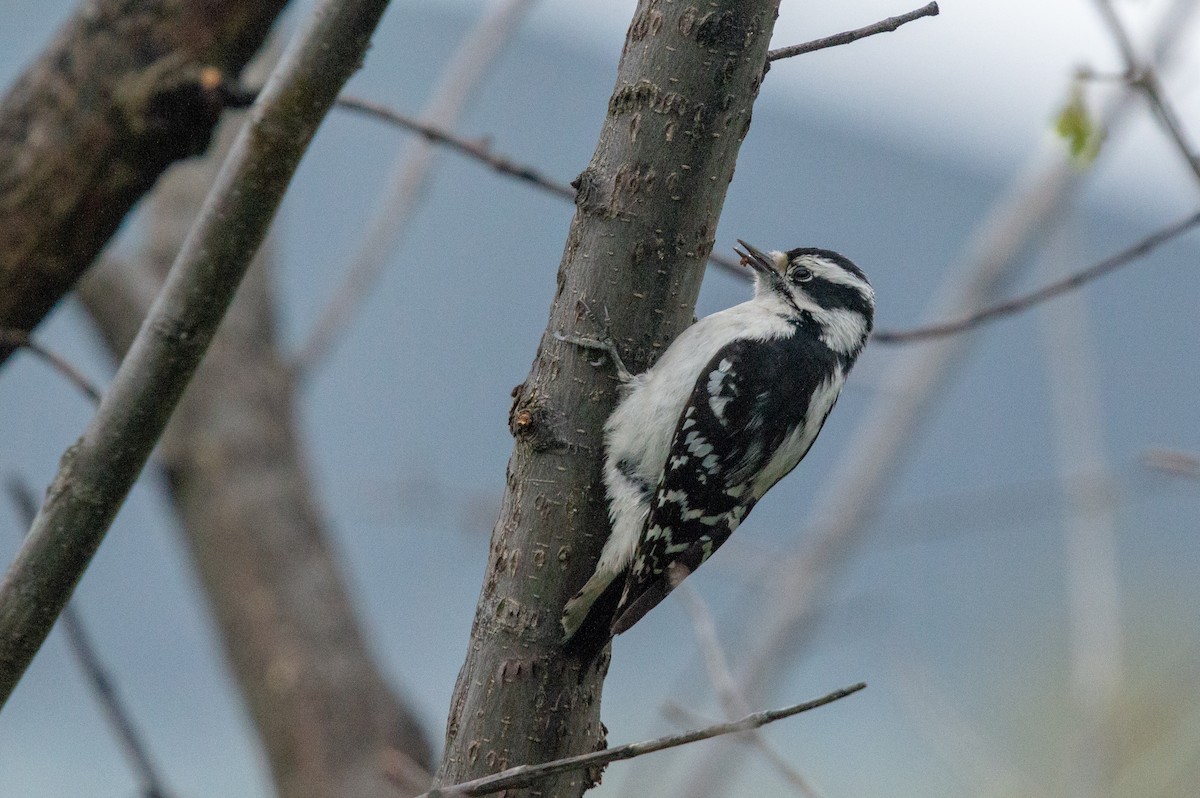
x: 647, y: 210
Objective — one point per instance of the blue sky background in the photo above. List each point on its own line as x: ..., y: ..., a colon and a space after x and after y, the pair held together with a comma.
x: 955, y: 610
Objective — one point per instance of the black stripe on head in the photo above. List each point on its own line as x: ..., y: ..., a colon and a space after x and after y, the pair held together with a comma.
x: 834, y: 294
x: 837, y: 296
x: 829, y: 255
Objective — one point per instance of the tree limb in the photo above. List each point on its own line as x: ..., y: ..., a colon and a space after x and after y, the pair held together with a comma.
x: 98, y: 471
x: 883, y: 26
x: 527, y: 775
x: 90, y: 126
x: 480, y: 150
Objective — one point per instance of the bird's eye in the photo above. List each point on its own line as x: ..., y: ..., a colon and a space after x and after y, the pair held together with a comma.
x: 802, y: 275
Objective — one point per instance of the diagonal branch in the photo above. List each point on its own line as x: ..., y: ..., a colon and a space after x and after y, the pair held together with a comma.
x: 883, y: 26
x: 481, y: 151
x: 1027, y: 301
x: 98, y: 471
x: 11, y: 339
x: 478, y: 149
x: 721, y: 678
x: 1145, y: 78
x: 101, y: 684
x: 525, y: 775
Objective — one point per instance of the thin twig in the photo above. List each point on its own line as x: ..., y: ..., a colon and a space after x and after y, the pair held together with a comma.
x: 1144, y: 77
x: 19, y: 339
x: 1021, y: 303
x: 482, y: 153
x: 98, y: 472
x: 883, y: 26
x: 524, y: 775
x: 733, y: 703
x: 479, y: 149
x: 465, y: 73
x: 96, y: 675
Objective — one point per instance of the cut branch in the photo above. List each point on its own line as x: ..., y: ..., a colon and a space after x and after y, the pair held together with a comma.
x: 526, y: 775
x: 883, y: 26
x: 1022, y: 303
x: 19, y: 339
x: 98, y: 471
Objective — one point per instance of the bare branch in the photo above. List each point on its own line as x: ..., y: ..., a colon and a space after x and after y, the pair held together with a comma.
x: 463, y: 76
x: 19, y: 339
x: 1145, y: 78
x: 98, y: 471
x: 479, y: 149
x: 883, y: 26
x: 1022, y: 303
x: 733, y: 702
x: 98, y: 681
x: 525, y: 775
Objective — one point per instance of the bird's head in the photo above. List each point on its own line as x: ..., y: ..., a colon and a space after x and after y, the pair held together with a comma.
x: 818, y: 283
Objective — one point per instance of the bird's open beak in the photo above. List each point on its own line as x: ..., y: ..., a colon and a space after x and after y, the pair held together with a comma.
x: 756, y: 259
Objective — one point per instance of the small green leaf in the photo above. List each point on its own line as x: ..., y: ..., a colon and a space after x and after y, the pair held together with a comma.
x: 1076, y: 125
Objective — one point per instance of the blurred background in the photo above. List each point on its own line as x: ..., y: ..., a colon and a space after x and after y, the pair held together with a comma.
x: 1021, y: 592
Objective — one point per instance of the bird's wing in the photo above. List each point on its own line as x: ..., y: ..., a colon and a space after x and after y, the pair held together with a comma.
x: 740, y: 409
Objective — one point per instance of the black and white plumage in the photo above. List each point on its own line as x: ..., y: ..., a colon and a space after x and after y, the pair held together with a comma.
x: 730, y: 408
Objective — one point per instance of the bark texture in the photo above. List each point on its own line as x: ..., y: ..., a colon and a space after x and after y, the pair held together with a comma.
x: 330, y: 724
x: 89, y: 127
x: 647, y: 210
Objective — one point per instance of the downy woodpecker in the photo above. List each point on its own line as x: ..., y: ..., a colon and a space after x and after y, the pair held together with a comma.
x: 730, y: 408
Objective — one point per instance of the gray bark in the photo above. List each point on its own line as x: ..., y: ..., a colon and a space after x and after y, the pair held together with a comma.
x: 647, y: 210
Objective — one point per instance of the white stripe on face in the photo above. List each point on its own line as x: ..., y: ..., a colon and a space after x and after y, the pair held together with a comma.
x: 834, y: 273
